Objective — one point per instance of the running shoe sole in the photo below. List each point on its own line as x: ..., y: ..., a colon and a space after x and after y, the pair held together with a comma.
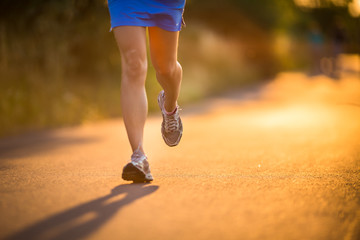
x: 132, y: 173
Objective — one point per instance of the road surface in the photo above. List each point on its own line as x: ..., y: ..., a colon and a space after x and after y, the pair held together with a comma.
x: 281, y: 161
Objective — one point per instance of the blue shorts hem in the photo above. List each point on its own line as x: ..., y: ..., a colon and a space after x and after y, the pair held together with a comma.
x: 166, y: 28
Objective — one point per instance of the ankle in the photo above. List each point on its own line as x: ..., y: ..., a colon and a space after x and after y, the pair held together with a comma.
x: 172, y: 112
x: 139, y: 151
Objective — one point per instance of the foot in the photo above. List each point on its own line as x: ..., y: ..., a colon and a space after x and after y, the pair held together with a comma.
x: 171, y: 127
x: 138, y: 170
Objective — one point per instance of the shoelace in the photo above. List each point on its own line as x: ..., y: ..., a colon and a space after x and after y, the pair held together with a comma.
x: 137, y: 156
x: 140, y: 161
x: 172, y: 121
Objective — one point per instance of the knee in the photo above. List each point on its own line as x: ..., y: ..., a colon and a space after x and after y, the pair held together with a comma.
x: 168, y: 70
x: 134, y: 65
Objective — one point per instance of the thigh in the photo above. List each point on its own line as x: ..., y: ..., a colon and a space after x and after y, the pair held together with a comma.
x: 131, y: 41
x: 163, y: 47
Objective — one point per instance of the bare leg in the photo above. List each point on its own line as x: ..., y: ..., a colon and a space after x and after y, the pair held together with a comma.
x: 132, y: 44
x: 163, y: 50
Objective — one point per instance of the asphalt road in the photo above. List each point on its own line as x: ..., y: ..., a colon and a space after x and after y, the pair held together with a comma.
x: 280, y: 161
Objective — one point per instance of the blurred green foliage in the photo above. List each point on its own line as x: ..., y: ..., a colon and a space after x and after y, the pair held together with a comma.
x: 59, y: 64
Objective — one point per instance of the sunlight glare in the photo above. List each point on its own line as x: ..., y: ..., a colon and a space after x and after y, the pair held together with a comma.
x: 354, y: 8
x: 318, y: 3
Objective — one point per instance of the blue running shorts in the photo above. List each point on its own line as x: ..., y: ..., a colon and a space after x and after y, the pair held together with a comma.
x: 166, y: 14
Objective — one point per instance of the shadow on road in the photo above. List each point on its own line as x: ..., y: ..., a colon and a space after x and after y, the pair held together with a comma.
x: 35, y: 143
x: 82, y: 220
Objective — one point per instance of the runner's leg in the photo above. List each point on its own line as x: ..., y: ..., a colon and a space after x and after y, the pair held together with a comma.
x: 131, y: 41
x: 163, y: 50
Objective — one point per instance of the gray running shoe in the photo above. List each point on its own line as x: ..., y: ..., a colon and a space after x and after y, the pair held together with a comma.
x: 171, y: 127
x: 138, y: 170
